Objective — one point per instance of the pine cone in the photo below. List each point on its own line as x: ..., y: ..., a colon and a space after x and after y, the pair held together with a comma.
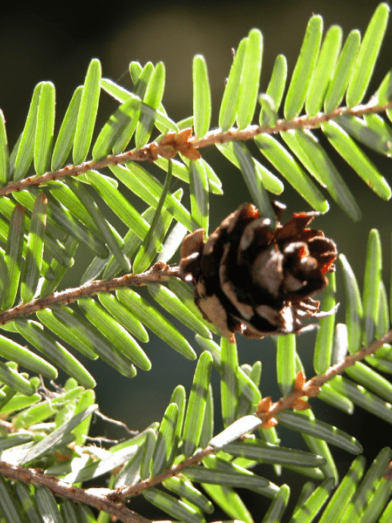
x: 254, y: 280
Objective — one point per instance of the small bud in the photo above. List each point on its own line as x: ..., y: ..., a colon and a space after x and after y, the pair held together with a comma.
x: 300, y: 381
x: 300, y: 404
x: 174, y: 143
x: 264, y: 406
x: 272, y: 422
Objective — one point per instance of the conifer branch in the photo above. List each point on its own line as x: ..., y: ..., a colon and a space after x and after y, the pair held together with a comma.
x: 325, y: 72
x: 268, y: 410
x: 310, y: 388
x: 110, y: 500
x: 95, y: 497
x: 302, y: 122
x: 153, y: 151
x: 158, y: 273
x: 134, y: 490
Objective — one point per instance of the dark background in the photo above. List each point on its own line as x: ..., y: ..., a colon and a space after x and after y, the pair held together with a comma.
x: 57, y: 42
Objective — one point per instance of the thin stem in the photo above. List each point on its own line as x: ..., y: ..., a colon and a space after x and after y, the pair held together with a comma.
x: 301, y: 122
x: 108, y: 500
x: 310, y: 388
x: 152, y: 151
x: 313, y: 386
x: 97, y: 498
x: 134, y: 490
x: 159, y: 272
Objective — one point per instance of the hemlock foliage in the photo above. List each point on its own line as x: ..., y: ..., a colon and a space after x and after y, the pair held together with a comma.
x: 55, y: 191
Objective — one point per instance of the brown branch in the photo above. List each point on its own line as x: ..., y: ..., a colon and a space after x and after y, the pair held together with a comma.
x: 302, y: 122
x: 134, y: 490
x: 152, y: 151
x: 159, y: 272
x: 97, y: 498
x: 266, y: 414
x: 109, y: 500
x: 268, y: 411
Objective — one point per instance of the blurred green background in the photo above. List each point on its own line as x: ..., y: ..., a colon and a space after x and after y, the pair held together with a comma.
x: 56, y: 42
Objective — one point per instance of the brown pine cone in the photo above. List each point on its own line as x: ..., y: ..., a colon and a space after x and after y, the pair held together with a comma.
x: 254, y: 280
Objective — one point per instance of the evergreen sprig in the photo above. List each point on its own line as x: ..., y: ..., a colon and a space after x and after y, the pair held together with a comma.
x: 50, y: 207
